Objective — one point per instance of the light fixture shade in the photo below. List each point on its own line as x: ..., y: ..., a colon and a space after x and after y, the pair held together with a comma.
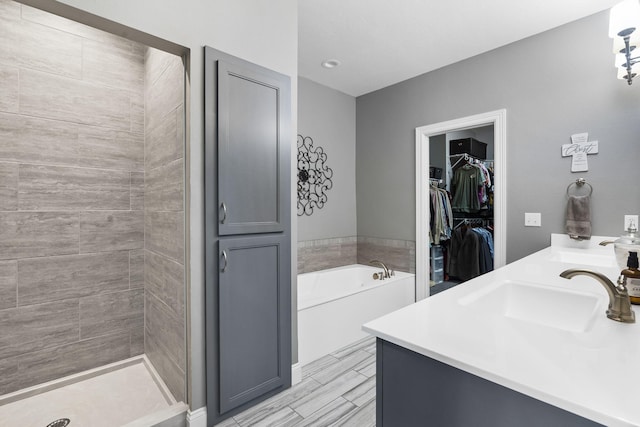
x: 624, y: 15
x: 634, y: 40
x: 622, y: 72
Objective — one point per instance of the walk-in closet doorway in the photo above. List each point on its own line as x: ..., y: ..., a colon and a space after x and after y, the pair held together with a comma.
x: 423, y: 212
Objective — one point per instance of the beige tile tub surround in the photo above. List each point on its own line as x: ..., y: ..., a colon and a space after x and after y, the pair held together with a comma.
x: 71, y: 197
x: 321, y: 254
x: 315, y: 255
x: 396, y: 254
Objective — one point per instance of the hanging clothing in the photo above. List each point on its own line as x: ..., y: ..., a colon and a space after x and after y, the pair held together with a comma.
x: 441, y: 222
x: 470, y: 252
x: 466, y: 182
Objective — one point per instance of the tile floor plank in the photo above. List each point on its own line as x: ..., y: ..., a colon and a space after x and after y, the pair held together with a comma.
x: 327, y: 393
x: 328, y: 414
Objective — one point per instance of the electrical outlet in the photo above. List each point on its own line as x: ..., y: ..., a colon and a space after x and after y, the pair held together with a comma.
x: 532, y: 219
x: 630, y: 220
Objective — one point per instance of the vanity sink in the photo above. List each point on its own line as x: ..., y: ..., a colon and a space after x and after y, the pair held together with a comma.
x: 580, y: 257
x: 547, y: 306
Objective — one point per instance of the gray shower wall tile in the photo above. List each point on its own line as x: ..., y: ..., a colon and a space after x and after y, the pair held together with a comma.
x: 35, y: 140
x: 164, y: 95
x: 136, y: 341
x: 117, y: 65
x: 109, y: 149
x: 36, y: 47
x: 8, y: 370
x: 111, y: 313
x: 164, y: 187
x: 37, y: 327
x: 171, y: 373
x: 136, y: 269
x: 9, y: 9
x: 137, y: 191
x: 165, y: 143
x: 8, y: 186
x: 8, y: 284
x: 46, y: 365
x: 165, y: 344
x: 54, y: 21
x: 50, y: 50
x: 157, y: 62
x: 54, y: 97
x: 65, y: 188
x: 9, y: 84
x: 164, y: 234
x: 75, y: 276
x: 137, y: 113
x: 10, y: 36
x: 38, y: 234
x: 165, y: 279
x: 160, y: 321
x: 106, y: 231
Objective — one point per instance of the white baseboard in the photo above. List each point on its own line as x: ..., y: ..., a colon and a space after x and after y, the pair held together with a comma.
x: 296, y: 373
x: 197, y: 418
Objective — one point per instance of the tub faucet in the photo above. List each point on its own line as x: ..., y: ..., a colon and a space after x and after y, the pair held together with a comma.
x: 387, y: 273
x: 619, y: 303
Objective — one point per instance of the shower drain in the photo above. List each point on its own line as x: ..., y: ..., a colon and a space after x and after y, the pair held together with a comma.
x: 62, y: 422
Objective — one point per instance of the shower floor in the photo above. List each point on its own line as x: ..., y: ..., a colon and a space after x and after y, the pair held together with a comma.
x: 127, y: 393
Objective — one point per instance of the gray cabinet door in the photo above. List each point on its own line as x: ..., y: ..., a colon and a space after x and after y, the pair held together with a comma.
x: 253, y: 148
x: 254, y: 323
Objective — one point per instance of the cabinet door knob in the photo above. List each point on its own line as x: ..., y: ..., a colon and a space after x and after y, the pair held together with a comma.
x: 226, y: 261
x: 223, y: 218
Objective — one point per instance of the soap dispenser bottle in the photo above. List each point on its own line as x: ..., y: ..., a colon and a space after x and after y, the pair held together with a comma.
x: 632, y: 278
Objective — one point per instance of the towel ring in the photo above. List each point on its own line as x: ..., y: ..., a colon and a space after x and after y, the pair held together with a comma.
x: 579, y: 183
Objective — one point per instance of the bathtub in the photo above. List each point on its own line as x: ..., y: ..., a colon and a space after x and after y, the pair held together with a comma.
x: 333, y: 304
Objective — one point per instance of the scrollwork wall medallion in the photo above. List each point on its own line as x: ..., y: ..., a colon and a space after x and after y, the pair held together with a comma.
x: 314, y: 176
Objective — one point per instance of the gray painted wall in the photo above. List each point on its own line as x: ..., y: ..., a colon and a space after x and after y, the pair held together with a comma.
x: 329, y: 117
x: 553, y: 85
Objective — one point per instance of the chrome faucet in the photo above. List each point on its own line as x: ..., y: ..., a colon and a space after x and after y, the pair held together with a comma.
x: 387, y: 273
x: 619, y: 303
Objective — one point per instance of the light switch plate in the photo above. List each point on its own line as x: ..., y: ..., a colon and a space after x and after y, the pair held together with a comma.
x: 532, y: 219
x: 628, y: 219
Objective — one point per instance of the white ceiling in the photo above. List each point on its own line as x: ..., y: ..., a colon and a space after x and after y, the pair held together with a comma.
x: 382, y: 42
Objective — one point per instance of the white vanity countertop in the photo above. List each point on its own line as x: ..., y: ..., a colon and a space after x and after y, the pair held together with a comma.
x: 594, y: 372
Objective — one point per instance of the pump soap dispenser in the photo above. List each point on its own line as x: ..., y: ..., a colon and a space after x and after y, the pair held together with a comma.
x: 632, y: 277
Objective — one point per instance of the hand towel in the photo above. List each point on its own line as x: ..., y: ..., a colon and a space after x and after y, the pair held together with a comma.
x: 578, y: 225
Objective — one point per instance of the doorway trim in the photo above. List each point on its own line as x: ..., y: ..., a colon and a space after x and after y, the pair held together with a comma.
x: 498, y: 119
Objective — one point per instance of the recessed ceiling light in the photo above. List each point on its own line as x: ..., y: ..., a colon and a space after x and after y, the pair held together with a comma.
x: 330, y: 63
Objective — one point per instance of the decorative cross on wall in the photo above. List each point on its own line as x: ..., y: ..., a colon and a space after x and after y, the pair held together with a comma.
x: 579, y: 149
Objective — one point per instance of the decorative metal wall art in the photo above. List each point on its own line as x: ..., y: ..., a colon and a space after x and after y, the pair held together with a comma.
x: 314, y: 176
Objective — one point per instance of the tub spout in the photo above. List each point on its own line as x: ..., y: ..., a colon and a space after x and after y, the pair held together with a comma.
x: 387, y: 273
x: 619, y: 303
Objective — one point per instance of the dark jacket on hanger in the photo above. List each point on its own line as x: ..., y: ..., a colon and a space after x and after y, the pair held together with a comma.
x: 464, y: 262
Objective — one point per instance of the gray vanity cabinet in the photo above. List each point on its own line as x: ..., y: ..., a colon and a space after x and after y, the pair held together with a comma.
x: 413, y: 390
x: 247, y: 244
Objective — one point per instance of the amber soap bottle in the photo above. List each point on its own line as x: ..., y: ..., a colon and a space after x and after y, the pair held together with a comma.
x: 632, y: 276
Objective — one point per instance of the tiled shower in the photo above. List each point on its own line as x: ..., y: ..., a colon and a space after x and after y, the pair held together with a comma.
x: 91, y: 202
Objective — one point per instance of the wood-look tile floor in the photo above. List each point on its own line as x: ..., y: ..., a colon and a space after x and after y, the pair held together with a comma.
x: 336, y: 390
